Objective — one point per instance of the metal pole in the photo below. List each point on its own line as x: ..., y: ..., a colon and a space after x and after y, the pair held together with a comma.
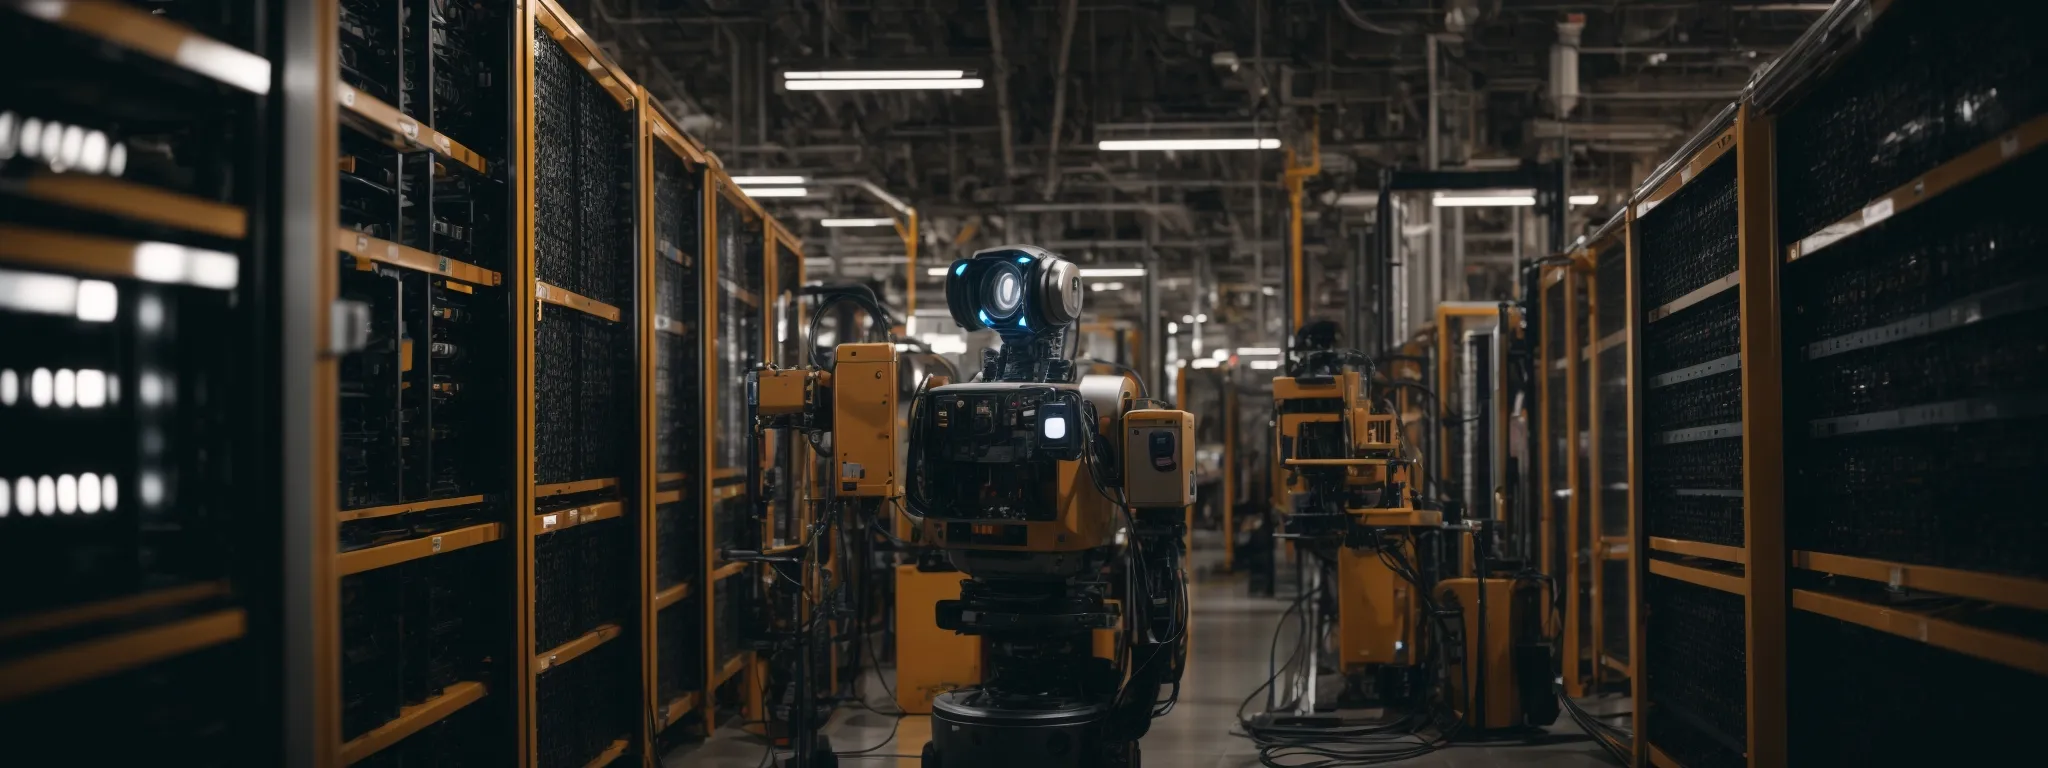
x: 1059, y: 104
x: 995, y: 36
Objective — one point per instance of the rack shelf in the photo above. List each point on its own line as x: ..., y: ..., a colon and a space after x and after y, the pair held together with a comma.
x: 567, y: 652
x: 671, y: 596
x: 732, y: 667
x: 1721, y: 552
x: 131, y: 27
x: 728, y: 570
x: 1726, y: 582
x: 1691, y: 372
x: 1983, y: 159
x: 350, y: 563
x: 363, y: 246
x: 681, y: 705
x: 385, y: 123
x: 92, y: 659
x: 110, y: 609
x: 564, y: 519
x: 136, y: 202
x: 366, y: 513
x: 1702, y: 293
x: 412, y: 719
x: 609, y: 755
x: 1989, y: 305
x: 1951, y: 412
x: 563, y: 297
x: 2011, y: 650
x: 118, y: 258
x: 577, y: 486
x: 1992, y: 588
x: 1695, y: 434
x: 1699, y: 161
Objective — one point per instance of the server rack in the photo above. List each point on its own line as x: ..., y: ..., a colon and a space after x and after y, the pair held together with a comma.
x: 135, y: 299
x: 736, y: 241
x: 582, y: 296
x: 425, y: 392
x: 1604, y: 383
x: 674, y: 175
x: 1561, y: 302
x: 1707, y: 454
x: 1909, y: 235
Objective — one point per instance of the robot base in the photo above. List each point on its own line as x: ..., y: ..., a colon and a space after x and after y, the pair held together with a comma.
x: 967, y: 731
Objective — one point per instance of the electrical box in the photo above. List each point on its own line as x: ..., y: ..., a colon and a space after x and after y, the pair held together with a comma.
x: 864, y: 427
x: 1159, y: 459
x: 784, y: 392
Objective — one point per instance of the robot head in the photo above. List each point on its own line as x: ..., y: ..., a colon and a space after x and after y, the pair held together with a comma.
x: 1021, y: 291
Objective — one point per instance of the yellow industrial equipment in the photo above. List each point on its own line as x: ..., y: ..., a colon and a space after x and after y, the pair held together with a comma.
x: 1070, y: 538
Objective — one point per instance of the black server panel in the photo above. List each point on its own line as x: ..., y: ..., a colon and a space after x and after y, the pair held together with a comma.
x: 412, y: 630
x: 1932, y: 80
x: 136, y: 476
x: 1691, y: 385
x: 680, y: 635
x: 1916, y: 373
x: 581, y: 708
x: 1916, y: 362
x: 1860, y: 696
x: 425, y: 403
x: 580, y: 581
x: 1696, y: 673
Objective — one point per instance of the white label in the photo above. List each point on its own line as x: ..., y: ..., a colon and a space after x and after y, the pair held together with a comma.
x: 1876, y: 212
x: 549, y: 521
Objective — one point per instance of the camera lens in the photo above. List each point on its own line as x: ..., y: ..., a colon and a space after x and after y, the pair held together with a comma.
x: 1003, y: 292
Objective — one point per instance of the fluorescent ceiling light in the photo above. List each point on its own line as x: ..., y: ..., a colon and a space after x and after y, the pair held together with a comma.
x: 936, y: 272
x: 1265, y: 365
x: 856, y: 222
x: 1166, y: 144
x: 1358, y: 199
x: 1487, y: 201
x: 1250, y: 351
x: 879, y: 74
x: 1205, y: 363
x: 774, y: 191
x: 746, y: 180
x: 1112, y: 271
x: 1584, y: 199
x: 953, y: 84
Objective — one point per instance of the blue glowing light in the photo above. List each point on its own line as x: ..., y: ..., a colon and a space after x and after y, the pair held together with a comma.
x: 1023, y: 259
x: 984, y: 318
x: 960, y: 270
x: 1021, y: 323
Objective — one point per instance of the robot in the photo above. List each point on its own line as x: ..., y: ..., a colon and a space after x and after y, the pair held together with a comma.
x: 1062, y: 502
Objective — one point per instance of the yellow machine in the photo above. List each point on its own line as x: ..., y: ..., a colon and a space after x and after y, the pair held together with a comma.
x: 1346, y: 491
x: 1501, y: 653
x: 1064, y: 505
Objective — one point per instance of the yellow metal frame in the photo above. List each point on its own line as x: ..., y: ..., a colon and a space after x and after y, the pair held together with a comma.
x: 1226, y: 381
x: 1761, y: 579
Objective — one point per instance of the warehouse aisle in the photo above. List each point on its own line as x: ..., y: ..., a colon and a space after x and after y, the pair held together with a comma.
x: 1226, y: 662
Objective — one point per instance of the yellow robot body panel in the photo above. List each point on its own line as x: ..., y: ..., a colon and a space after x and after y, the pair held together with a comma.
x: 929, y: 660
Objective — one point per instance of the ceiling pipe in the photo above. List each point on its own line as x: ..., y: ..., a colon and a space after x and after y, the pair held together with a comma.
x: 995, y: 37
x: 1059, y: 104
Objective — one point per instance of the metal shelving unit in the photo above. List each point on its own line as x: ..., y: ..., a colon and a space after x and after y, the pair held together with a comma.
x: 583, y: 299
x: 1706, y: 457
x: 133, y: 302
x: 425, y: 391
x: 1604, y: 382
x: 672, y: 615
x: 1908, y: 136
x: 1561, y: 298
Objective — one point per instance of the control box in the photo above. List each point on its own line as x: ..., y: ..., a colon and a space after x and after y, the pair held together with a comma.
x: 864, y: 420
x: 1159, y: 459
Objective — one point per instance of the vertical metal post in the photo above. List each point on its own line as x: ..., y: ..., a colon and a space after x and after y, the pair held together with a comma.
x: 304, y: 219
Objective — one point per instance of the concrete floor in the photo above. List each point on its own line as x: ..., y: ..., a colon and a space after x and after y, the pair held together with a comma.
x: 1226, y: 662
